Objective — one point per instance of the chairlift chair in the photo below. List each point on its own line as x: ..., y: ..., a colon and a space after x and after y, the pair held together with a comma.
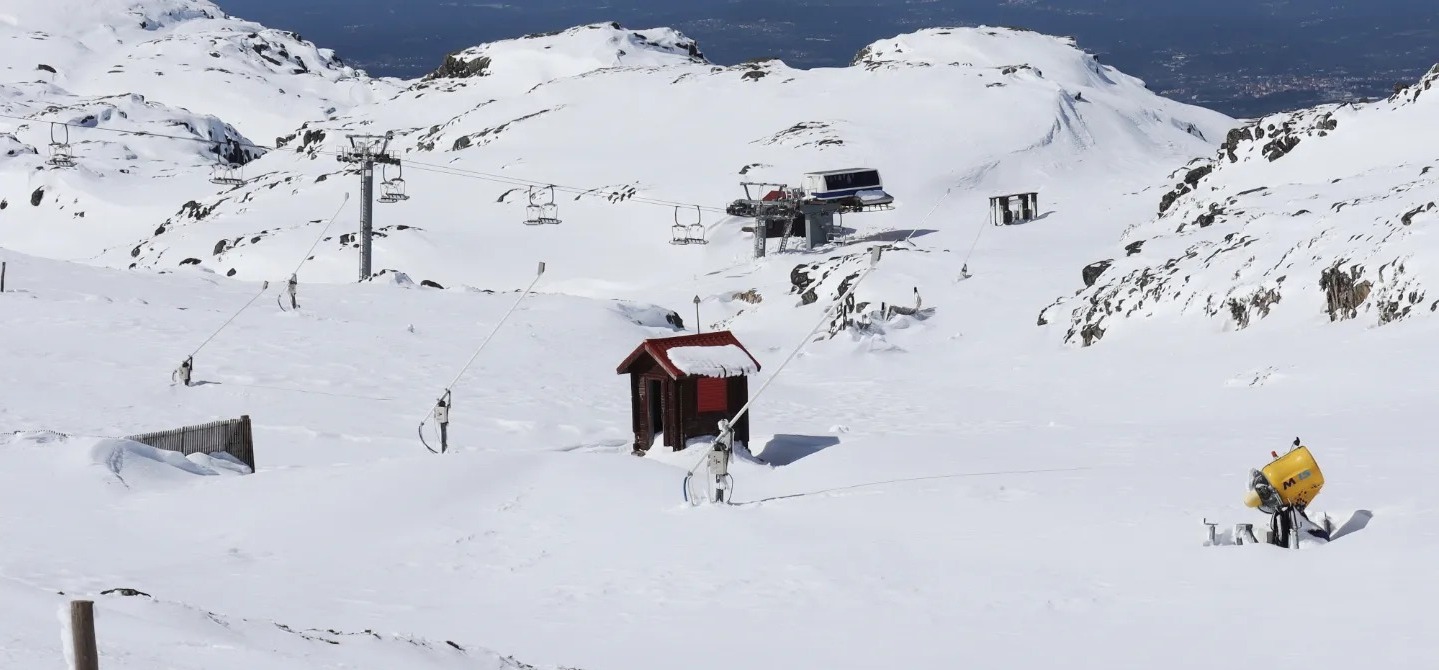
x: 679, y: 233
x: 533, y: 211
x: 60, y: 153
x: 392, y: 189
x: 692, y: 233
x: 540, y: 213
x: 226, y: 175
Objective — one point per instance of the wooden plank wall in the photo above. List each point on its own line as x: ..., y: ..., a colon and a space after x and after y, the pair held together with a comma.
x: 232, y: 436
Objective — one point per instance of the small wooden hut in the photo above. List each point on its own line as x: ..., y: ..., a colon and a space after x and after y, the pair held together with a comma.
x: 682, y: 387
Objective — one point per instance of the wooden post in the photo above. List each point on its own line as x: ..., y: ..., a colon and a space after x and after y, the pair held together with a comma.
x: 82, y: 635
x: 2, y: 276
x: 248, y: 440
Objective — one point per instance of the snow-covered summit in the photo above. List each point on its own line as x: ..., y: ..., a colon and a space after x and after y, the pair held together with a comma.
x: 518, y: 64
x: 1058, y: 59
x: 183, y: 53
x: 1304, y: 217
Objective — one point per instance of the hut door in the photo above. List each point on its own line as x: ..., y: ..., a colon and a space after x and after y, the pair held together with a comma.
x: 654, y: 407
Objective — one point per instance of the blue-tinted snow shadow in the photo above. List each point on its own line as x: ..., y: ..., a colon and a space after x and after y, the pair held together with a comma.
x: 1036, y: 219
x: 784, y: 450
x: 895, y: 235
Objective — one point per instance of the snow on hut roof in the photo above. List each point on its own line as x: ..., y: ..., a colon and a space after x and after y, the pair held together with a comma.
x: 717, y: 354
x: 722, y: 361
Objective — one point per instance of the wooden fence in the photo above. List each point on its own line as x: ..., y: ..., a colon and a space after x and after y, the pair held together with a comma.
x: 231, y: 436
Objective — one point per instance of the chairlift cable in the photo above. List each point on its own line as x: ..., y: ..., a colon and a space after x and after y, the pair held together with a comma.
x: 425, y: 167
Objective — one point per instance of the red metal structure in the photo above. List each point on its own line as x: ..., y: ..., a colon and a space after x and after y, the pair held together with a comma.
x: 687, y: 398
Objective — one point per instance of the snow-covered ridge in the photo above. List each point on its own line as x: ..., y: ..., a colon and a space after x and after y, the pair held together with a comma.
x: 1315, y: 215
x: 570, y: 52
x: 545, y: 114
x: 1007, y: 49
x: 183, y: 53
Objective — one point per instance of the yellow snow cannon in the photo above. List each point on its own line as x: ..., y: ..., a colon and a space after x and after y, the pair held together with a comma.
x: 1283, y: 489
x: 1291, y: 480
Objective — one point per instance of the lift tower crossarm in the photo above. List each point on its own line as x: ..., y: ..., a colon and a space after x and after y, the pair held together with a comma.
x: 366, y: 151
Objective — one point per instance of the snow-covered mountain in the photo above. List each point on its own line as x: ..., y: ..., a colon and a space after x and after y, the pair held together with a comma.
x: 1308, y: 217
x: 182, y: 53
x: 947, y: 487
x: 677, y: 129
x: 172, y: 68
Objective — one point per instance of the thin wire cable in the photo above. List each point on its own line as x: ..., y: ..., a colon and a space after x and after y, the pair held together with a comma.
x: 420, y: 166
x: 573, y: 190
x: 266, y: 285
x: 493, y: 331
x: 421, y: 427
x: 925, y: 219
x: 304, y: 391
x: 974, y: 244
x: 961, y: 475
x: 321, y: 237
x: 828, y: 314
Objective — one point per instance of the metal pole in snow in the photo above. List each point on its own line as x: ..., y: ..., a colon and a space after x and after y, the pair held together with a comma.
x: 698, y: 327
x: 2, y: 276
x: 367, y: 206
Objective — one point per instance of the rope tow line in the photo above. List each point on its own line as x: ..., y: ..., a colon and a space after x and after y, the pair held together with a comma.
x: 182, y: 374
x: 441, y: 411
x: 719, y: 458
x: 721, y: 487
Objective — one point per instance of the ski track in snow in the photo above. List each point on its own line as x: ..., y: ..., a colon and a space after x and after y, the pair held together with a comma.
x: 941, y: 491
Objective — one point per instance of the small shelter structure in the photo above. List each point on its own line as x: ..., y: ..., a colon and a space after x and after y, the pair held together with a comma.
x: 682, y: 387
x: 1014, y: 208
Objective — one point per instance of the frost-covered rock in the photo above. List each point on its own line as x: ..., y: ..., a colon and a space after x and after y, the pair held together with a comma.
x: 1316, y: 214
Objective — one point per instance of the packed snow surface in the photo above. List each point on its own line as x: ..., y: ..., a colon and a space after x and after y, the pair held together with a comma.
x: 726, y: 360
x: 952, y: 486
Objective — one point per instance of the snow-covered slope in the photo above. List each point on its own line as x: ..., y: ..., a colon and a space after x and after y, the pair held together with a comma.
x: 689, y: 132
x: 121, y: 180
x: 1309, y: 217
x: 946, y: 488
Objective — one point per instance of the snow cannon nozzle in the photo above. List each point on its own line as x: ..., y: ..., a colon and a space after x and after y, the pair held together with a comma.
x: 1291, y: 480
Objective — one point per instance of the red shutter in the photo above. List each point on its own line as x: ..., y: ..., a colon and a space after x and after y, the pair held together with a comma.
x: 713, y: 395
